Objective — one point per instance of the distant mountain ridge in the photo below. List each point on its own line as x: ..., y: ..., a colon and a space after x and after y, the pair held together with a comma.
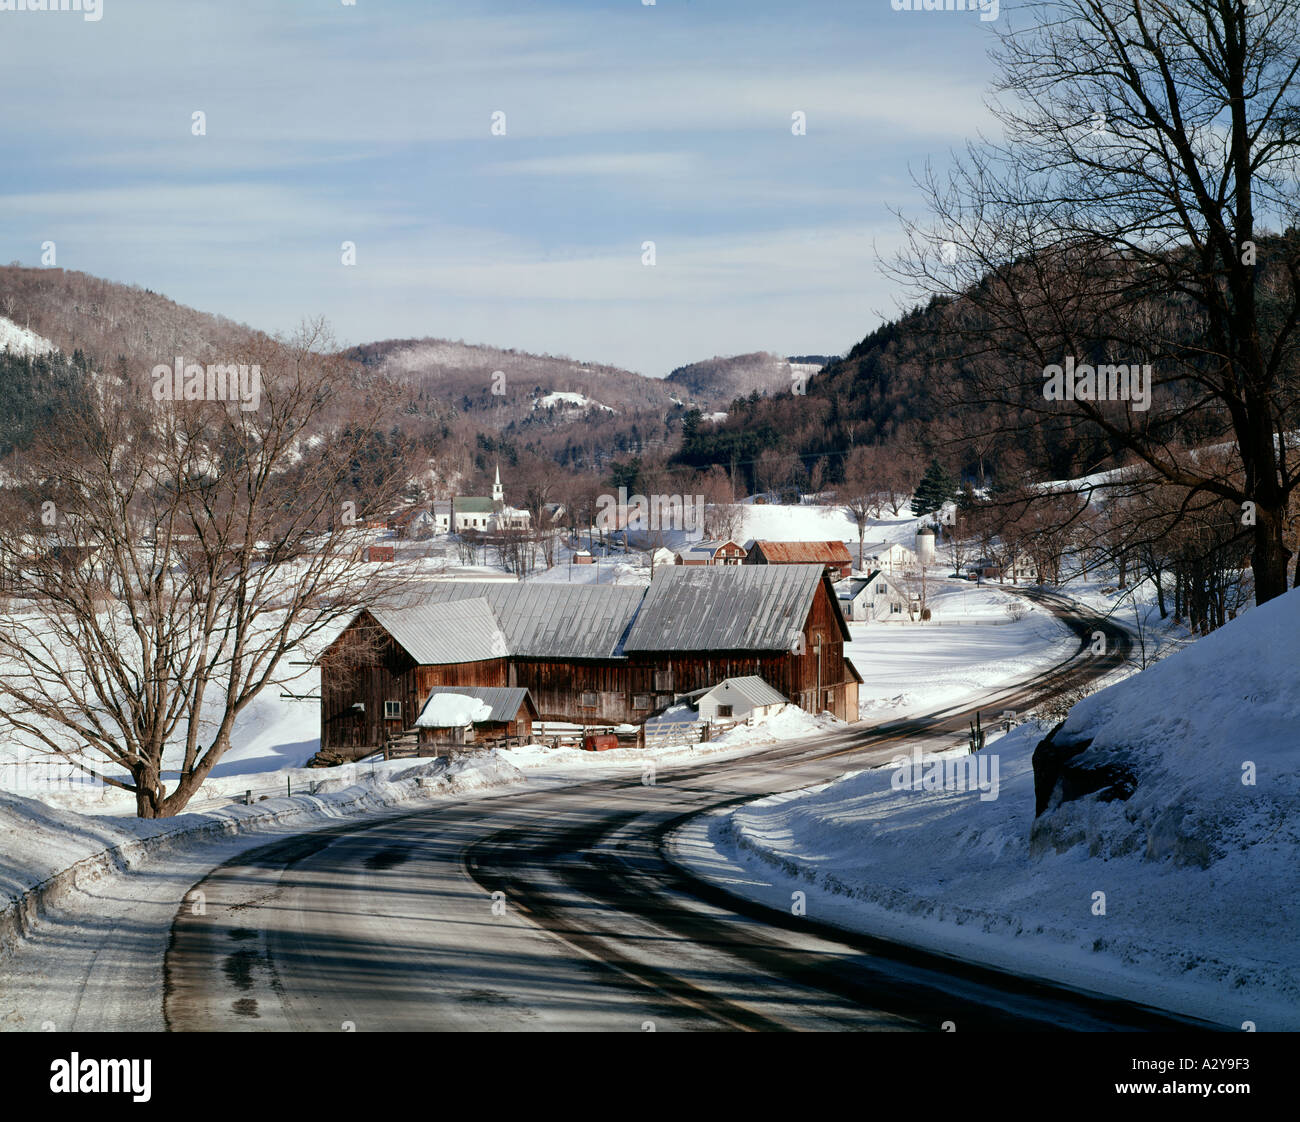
x: 718, y: 381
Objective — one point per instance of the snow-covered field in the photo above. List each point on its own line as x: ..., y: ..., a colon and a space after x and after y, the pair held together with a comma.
x: 1186, y: 896
x: 971, y: 644
x: 22, y: 340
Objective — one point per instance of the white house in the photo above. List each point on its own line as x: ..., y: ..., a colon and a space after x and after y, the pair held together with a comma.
x: 1022, y: 568
x: 735, y: 699
x: 889, y: 557
x: 873, y: 597
x: 442, y: 516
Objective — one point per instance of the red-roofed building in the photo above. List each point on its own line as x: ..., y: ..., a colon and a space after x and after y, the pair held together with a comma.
x: 833, y: 556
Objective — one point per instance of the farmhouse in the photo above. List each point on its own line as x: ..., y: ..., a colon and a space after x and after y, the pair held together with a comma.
x: 710, y: 553
x: 872, y: 597
x: 1021, y: 567
x: 598, y: 654
x: 889, y: 557
x: 833, y: 556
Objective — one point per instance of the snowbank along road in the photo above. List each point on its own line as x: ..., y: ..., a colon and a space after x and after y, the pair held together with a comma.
x: 559, y: 909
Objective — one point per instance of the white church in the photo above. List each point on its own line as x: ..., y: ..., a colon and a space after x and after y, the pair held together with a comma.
x: 479, y: 513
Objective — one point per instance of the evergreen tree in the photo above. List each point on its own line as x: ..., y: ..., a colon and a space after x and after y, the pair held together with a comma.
x: 936, y: 488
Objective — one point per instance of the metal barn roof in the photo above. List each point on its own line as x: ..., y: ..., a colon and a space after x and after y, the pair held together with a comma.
x: 799, y: 553
x: 551, y: 620
x: 728, y: 608
x: 437, y: 632
x: 751, y: 687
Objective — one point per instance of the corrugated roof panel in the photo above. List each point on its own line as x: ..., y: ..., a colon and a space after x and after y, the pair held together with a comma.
x: 550, y: 620
x: 729, y: 608
x: 751, y: 687
x: 800, y: 553
x: 434, y: 633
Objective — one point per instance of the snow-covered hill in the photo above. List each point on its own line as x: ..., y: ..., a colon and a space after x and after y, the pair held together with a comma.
x: 21, y: 340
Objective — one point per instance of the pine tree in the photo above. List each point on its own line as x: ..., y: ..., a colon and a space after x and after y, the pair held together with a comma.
x: 936, y: 488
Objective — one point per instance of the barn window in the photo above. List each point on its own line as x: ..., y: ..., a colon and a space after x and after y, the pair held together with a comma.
x: 392, y: 710
x: 641, y: 701
x: 724, y: 710
x: 590, y: 700
x: 663, y: 679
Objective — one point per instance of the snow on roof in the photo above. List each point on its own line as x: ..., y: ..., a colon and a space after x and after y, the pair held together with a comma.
x: 445, y: 706
x: 452, y: 710
x: 851, y: 587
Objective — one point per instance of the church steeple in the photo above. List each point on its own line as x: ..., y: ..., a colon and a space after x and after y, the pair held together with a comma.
x: 498, y: 495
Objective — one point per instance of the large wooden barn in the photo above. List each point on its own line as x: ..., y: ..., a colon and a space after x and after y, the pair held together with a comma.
x: 600, y: 654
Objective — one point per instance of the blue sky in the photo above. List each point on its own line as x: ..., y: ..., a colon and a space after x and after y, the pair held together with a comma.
x: 371, y: 123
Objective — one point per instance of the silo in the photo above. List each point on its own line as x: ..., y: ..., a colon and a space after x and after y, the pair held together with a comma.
x: 925, y: 545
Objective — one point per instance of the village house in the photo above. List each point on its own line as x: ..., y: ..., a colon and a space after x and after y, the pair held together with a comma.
x: 710, y: 553
x: 889, y: 557
x: 832, y: 556
x: 597, y: 654
x: 873, y: 597
x: 413, y: 523
x: 441, y: 513
x: 660, y: 556
x: 1020, y: 569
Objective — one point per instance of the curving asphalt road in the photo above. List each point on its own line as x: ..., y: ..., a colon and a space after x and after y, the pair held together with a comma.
x: 559, y: 910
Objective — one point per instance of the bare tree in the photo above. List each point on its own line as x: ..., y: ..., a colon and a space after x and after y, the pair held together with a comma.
x: 1124, y: 223
x: 171, y: 555
x: 860, y: 496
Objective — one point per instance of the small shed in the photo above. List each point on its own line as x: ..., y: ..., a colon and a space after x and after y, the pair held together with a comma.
x: 463, y: 715
x: 582, y: 557
x: 379, y: 553
x: 739, y: 698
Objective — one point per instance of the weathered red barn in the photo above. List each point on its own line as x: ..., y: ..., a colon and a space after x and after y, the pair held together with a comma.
x: 601, y: 654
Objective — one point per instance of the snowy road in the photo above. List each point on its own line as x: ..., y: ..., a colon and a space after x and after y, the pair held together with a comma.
x: 539, y: 910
